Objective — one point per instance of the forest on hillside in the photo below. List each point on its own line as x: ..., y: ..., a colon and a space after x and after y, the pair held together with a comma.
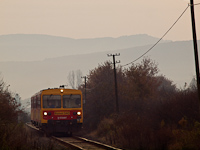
x: 153, y: 112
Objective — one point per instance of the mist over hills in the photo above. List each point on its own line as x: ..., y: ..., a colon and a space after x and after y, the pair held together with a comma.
x: 175, y: 61
x: 27, y: 47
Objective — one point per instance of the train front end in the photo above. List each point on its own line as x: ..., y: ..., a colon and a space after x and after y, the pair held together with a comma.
x: 61, y: 111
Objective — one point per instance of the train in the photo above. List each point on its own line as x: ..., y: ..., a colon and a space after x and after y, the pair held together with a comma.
x: 57, y: 110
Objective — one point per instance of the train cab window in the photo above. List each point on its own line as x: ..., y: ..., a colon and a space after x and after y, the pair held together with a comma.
x: 71, y: 101
x: 51, y: 101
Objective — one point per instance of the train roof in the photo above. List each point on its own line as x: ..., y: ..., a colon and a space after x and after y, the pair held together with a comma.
x: 59, y: 89
x: 49, y: 89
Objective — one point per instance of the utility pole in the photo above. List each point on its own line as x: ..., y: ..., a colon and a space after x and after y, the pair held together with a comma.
x: 85, y: 87
x: 115, y: 80
x: 195, y: 46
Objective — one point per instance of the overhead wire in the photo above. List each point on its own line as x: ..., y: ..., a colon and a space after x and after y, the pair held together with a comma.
x: 196, y: 4
x: 159, y: 39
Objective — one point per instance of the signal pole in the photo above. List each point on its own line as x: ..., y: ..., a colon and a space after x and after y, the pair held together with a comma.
x: 195, y: 46
x: 115, y: 79
x: 85, y: 87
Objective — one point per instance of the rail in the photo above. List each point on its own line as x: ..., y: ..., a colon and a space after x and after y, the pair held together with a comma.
x: 78, y: 143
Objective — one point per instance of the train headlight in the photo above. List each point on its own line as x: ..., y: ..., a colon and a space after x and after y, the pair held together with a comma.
x: 79, y: 113
x: 61, y: 90
x: 45, y: 113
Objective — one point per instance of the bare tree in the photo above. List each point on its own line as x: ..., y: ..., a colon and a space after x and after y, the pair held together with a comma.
x: 74, y: 78
x: 71, y: 79
x: 78, y: 78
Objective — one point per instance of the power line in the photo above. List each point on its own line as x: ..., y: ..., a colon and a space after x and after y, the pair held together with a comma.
x: 159, y: 39
x: 195, y: 4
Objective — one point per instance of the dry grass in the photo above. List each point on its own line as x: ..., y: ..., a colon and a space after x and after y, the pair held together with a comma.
x: 21, y: 137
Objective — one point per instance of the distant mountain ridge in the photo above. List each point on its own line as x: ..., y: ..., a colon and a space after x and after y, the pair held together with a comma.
x: 175, y: 60
x: 34, y: 47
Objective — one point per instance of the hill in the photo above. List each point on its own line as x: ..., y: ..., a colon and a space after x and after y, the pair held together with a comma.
x: 27, y: 47
x: 175, y: 61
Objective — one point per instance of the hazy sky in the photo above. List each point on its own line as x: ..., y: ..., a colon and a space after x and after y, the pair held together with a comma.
x: 97, y: 18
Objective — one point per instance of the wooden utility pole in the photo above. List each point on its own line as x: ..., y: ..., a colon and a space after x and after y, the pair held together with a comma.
x: 195, y: 46
x: 85, y: 88
x: 115, y: 80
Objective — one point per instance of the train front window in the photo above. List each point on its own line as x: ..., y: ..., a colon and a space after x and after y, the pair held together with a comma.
x: 51, y: 101
x: 71, y: 101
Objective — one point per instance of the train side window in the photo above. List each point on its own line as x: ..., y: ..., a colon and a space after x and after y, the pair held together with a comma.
x: 38, y: 101
x: 34, y: 102
x: 31, y: 102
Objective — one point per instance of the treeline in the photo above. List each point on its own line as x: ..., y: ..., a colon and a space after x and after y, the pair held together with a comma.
x: 12, y: 132
x: 153, y: 113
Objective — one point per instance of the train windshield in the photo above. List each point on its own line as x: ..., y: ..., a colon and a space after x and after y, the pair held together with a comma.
x: 71, y: 101
x: 51, y: 101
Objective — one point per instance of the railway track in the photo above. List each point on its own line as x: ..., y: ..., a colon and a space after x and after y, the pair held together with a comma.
x: 78, y: 143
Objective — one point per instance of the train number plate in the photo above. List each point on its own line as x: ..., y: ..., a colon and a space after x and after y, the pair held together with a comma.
x: 62, y: 113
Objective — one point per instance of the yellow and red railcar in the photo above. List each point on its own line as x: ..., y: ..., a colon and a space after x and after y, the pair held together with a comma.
x: 57, y: 110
